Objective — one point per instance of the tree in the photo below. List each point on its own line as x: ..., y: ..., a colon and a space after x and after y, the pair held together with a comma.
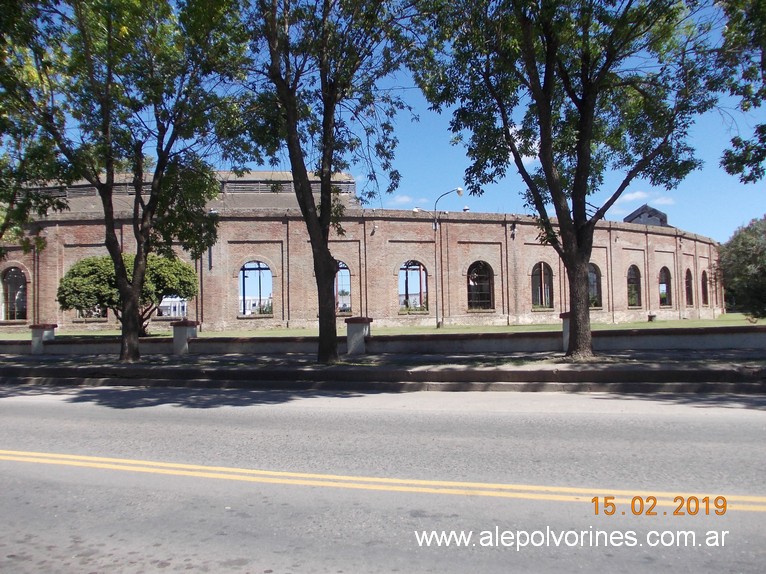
x: 136, y: 86
x: 91, y: 285
x: 583, y: 87
x: 742, y: 263
x: 744, y: 58
x: 317, y: 65
x: 28, y: 162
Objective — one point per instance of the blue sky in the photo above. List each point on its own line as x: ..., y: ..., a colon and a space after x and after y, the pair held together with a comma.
x: 708, y: 202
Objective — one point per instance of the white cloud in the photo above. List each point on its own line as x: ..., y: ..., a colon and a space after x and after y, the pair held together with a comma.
x: 405, y: 201
x: 528, y: 160
x: 633, y: 196
x: 664, y: 201
x: 400, y: 200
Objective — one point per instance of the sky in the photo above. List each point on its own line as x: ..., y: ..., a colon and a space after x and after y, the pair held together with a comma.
x: 708, y: 202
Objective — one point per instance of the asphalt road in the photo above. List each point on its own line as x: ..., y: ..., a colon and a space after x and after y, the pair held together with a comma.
x: 171, y: 480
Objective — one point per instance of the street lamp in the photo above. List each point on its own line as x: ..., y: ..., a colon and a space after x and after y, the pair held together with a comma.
x: 435, y: 216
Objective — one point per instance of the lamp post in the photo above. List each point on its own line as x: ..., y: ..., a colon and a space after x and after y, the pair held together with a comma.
x: 435, y: 216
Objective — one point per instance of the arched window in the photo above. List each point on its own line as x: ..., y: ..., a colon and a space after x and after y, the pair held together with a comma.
x: 413, y: 287
x: 542, y: 286
x: 255, y: 289
x: 634, y: 286
x: 689, y: 288
x: 705, y: 297
x: 666, y: 300
x: 14, y: 295
x: 343, y: 289
x: 594, y: 285
x: 480, y: 286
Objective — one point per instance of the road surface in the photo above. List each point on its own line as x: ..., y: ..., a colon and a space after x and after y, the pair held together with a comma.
x: 179, y: 480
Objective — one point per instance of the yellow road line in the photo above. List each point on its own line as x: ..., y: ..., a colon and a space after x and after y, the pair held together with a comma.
x: 517, y: 491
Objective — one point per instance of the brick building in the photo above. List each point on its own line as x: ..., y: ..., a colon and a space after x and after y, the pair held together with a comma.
x: 396, y: 266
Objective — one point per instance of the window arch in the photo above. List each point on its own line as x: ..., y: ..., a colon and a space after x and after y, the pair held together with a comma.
x: 542, y: 286
x: 255, y: 289
x: 14, y: 295
x: 666, y: 298
x: 703, y: 290
x: 343, y: 289
x: 594, y: 285
x: 413, y: 287
x: 481, y: 288
x: 634, y: 286
x: 689, y: 288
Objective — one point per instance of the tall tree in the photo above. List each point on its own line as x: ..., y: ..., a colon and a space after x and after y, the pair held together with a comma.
x: 28, y: 157
x: 585, y: 86
x: 136, y: 86
x: 743, y: 268
x: 744, y: 57
x: 29, y: 164
x: 317, y: 67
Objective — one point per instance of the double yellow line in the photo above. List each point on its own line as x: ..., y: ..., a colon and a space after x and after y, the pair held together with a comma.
x: 519, y: 491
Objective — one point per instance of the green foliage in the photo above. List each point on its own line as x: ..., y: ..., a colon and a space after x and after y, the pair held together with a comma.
x: 188, y: 185
x: 28, y: 156
x: 743, y: 268
x: 563, y: 92
x: 145, y: 85
x: 331, y: 58
x: 743, y: 57
x: 315, y: 75
x: 580, y: 87
x: 91, y: 283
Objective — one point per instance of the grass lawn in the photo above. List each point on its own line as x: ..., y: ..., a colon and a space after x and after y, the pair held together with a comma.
x: 730, y: 319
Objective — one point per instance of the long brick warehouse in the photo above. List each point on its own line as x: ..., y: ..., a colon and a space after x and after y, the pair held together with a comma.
x: 397, y: 267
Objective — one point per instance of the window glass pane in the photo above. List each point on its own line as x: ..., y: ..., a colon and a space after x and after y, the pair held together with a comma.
x: 343, y: 289
x: 480, y: 286
x: 542, y: 286
x: 173, y: 307
x: 14, y: 295
x: 634, y: 287
x: 705, y: 297
x: 255, y: 289
x: 689, y: 288
x: 665, y: 293
x: 413, y: 287
x: 594, y: 285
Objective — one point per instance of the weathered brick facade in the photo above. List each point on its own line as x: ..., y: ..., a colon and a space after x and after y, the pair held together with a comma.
x: 266, y: 226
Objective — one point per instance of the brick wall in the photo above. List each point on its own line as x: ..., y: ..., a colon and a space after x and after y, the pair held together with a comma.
x: 375, y: 245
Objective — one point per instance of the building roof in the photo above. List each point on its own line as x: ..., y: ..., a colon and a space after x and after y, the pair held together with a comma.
x: 646, y: 215
x: 254, y: 190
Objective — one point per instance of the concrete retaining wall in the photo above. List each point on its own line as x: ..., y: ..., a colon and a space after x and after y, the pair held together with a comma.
x: 681, y: 339
x: 540, y: 342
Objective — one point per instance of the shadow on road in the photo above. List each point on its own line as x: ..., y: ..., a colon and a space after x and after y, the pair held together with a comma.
x: 133, y: 398
x: 751, y: 402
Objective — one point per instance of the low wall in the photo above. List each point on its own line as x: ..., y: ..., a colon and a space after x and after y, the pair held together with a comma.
x: 465, y: 344
x: 681, y: 338
x: 539, y: 342
x: 257, y: 345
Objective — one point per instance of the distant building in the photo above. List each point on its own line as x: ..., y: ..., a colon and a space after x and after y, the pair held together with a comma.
x: 491, y: 268
x: 646, y: 215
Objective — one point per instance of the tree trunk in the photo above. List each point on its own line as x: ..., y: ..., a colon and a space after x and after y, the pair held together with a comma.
x: 325, y: 268
x: 580, y: 338
x: 131, y: 328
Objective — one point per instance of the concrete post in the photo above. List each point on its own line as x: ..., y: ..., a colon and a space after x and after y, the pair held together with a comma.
x: 40, y: 333
x: 357, y: 329
x: 182, y: 332
x: 565, y: 330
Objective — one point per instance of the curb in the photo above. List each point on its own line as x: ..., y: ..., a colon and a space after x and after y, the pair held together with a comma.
x: 642, y: 378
